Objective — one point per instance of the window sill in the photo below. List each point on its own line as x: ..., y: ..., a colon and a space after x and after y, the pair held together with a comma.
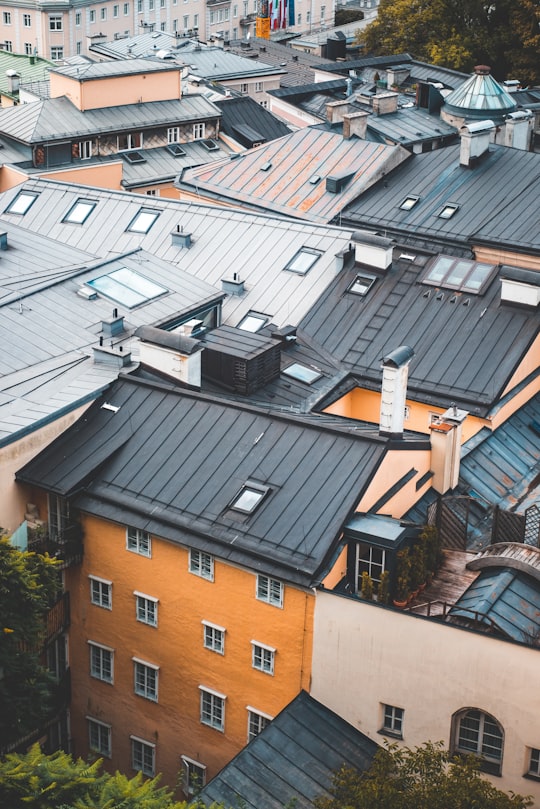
x: 391, y: 733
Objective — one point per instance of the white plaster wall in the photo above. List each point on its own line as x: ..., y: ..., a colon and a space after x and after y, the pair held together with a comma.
x: 365, y: 655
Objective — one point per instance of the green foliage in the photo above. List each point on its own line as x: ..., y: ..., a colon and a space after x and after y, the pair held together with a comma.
x: 28, y: 585
x: 426, y: 777
x: 403, y: 573
x: 460, y: 34
x: 383, y: 591
x: 367, y: 586
x: 344, y: 16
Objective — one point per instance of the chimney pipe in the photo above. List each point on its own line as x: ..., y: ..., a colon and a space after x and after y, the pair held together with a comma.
x: 394, y: 391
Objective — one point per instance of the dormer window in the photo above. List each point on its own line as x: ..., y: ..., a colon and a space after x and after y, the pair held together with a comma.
x: 448, y: 211
x: 362, y: 284
x: 249, y: 497
x: 22, y: 202
x: 302, y: 262
x: 409, y: 202
x: 130, y: 140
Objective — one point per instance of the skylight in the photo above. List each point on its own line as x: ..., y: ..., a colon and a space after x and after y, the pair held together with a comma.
x: 448, y: 211
x: 302, y: 373
x: 134, y: 157
x: 460, y: 274
x: 210, y: 144
x: 409, y: 202
x: 253, y: 322
x: 176, y: 150
x: 303, y: 261
x: 22, y: 202
x: 127, y: 287
x: 249, y: 497
x: 362, y: 284
x: 79, y: 212
x: 142, y: 221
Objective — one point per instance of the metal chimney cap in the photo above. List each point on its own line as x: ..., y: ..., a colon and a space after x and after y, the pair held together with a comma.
x: 399, y: 357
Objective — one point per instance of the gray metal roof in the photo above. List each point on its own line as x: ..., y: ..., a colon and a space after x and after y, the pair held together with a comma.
x: 315, y: 475
x: 367, y: 66
x: 237, y: 112
x: 298, y: 66
x: 122, y: 67
x: 159, y: 163
x: 218, y: 64
x: 294, y: 757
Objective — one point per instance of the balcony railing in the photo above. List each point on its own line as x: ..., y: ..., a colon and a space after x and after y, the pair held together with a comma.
x: 66, y: 545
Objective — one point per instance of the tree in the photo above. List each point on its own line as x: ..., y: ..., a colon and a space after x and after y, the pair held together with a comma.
x: 460, y: 34
x: 426, y: 777
x: 28, y: 585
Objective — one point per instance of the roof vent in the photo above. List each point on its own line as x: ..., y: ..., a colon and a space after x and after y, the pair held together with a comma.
x: 111, y: 328
x: 3, y: 240
x: 179, y: 238
x: 520, y: 287
x: 475, y: 140
x: 372, y: 249
x: 233, y: 286
x: 239, y: 360
x: 337, y: 182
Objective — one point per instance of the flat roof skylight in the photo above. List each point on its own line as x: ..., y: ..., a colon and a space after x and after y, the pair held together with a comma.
x: 143, y: 221
x: 303, y: 260
x: 362, y: 284
x: 127, y: 287
x: 448, y: 211
x: 249, y: 497
x: 409, y: 202
x: 302, y: 373
x: 22, y: 202
x: 252, y: 322
x: 176, y: 150
x: 461, y: 274
x: 79, y: 212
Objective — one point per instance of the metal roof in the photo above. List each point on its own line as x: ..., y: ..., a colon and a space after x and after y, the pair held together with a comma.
x: 160, y: 163
x: 289, y: 175
x: 198, y: 454
x: 236, y: 112
x: 367, y: 66
x: 29, y: 68
x: 293, y: 758
x: 480, y: 97
x: 122, y: 67
x: 298, y: 66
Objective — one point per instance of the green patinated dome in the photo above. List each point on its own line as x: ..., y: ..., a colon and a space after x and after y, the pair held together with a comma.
x: 480, y: 97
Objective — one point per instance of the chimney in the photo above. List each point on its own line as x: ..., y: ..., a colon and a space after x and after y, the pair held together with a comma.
x: 520, y: 287
x: 355, y: 123
x: 446, y: 449
x: 475, y: 140
x: 116, y: 358
x: 13, y: 80
x: 518, y: 129
x: 179, y: 238
x: 3, y: 240
x: 111, y: 328
x: 171, y: 353
x: 345, y: 258
x: 394, y: 391
x: 372, y: 249
x: 335, y: 111
x: 385, y: 103
x: 233, y: 286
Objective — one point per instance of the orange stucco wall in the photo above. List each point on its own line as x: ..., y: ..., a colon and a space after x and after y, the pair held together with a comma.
x: 530, y: 363
x: 102, y: 175
x: 9, y: 177
x: 114, y: 90
x: 395, y: 465
x: 176, y: 646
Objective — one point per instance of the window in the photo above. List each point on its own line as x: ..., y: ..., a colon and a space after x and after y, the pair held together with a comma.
x: 212, y: 709
x: 185, y: 21
x: 202, y: 564
x: 448, y: 211
x: 256, y: 722
x: 146, y: 679
x: 58, y: 516
x: 79, y: 212
x: 101, y: 662
x: 409, y: 202
x: 57, y: 53
x: 392, y: 723
x: 28, y: 48
x: 479, y: 733
x: 101, y: 592
x: 249, y: 497
x: 269, y: 590
x: 323, y: 12
x: 139, y: 6
x: 299, y: 20
x: 162, y: 3
x: 308, y: 16
x: 195, y: 20
x: 130, y: 140
x: 193, y: 776
x: 461, y: 274
x: 262, y: 657
x: 258, y: 86
x: 139, y: 542
x: 27, y: 20
x: 103, y: 14
x: 152, y: 192
x: 235, y: 11
x: 534, y: 763
x: 78, y: 47
x: 99, y: 737
x: 244, y: 87
x: 214, y: 637
x: 116, y: 11
x: 303, y: 261
x: 8, y: 45
x: 264, y: 104
x: 143, y: 756
x: 85, y: 149
x: 253, y: 321
x: 372, y: 561
x: 55, y: 22
x: 150, y: 5
x: 362, y: 284
x: 92, y: 15
x: 173, y: 134
x: 146, y: 609
x: 198, y: 131
x: 126, y: 9
x: 163, y: 26
x: 302, y: 373
x: 130, y: 289
x: 6, y: 17
x: 142, y: 222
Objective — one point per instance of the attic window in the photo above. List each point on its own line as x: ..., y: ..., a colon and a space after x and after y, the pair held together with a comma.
x: 210, y: 144
x: 460, y: 274
x: 302, y: 373
x: 22, y: 202
x: 133, y: 157
x: 249, y: 497
x: 127, y: 287
x: 303, y: 261
x: 79, y: 212
x: 409, y: 202
x: 448, y: 211
x: 362, y: 284
x: 253, y: 322
x: 176, y: 150
x: 142, y: 221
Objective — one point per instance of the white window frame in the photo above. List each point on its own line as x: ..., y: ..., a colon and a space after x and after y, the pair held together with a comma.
x: 56, y: 22
x: 85, y: 149
x: 489, y: 763
x: 259, y: 87
x: 28, y: 48
x: 101, y: 662
x: 116, y: 10
x: 145, y: 679
x: 138, y: 541
x: 533, y: 762
x: 99, y: 737
x: 263, y: 657
x: 244, y: 88
x: 57, y: 53
x: 103, y: 13
x: 140, y: 751
x: 392, y: 721
x: 265, y: 590
x: 257, y: 721
x: 77, y: 18
x: 58, y: 516
x: 201, y: 564
x: 146, y: 608
x: 213, y: 637
x: 193, y: 775
x: 101, y: 592
x: 199, y: 130
x: 173, y: 134
x: 374, y: 564
x: 92, y: 15
x: 126, y: 9
x: 132, y: 140
x: 27, y: 20
x: 212, y: 708
x: 6, y: 17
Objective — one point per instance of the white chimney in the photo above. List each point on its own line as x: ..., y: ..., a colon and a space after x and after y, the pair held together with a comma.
x: 475, y: 140
x: 372, y: 249
x: 394, y: 391
x: 446, y: 449
x: 518, y: 130
x: 172, y: 354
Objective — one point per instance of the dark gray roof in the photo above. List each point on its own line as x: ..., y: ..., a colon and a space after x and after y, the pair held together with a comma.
x: 419, y: 71
x: 244, y: 111
x: 171, y: 462
x: 294, y: 757
x: 161, y: 163
x: 298, y: 66
x: 498, y: 199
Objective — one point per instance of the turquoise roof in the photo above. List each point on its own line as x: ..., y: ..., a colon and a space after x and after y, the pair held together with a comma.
x: 480, y: 97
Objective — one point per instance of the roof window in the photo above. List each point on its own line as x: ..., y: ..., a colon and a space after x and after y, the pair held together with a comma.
x: 409, y: 202
x: 79, y: 212
x: 22, y: 202
x: 210, y: 144
x: 362, y: 284
x: 460, y: 274
x: 302, y: 262
x: 142, y: 221
x: 302, y: 373
x: 253, y: 322
x: 448, y: 211
x: 127, y: 287
x: 176, y: 150
x: 133, y: 157
x: 249, y: 497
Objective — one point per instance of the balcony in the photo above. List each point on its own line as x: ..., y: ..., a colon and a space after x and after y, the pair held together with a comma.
x: 66, y: 545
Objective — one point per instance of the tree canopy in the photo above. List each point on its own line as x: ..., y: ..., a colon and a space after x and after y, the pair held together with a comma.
x: 426, y: 777
x: 460, y: 34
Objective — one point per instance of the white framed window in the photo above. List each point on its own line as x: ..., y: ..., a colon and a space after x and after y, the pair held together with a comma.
x: 253, y: 321
x: 249, y: 498
x: 269, y: 590
x: 262, y: 657
x: 198, y: 131
x: 142, y: 222
x: 101, y: 662
x: 257, y: 721
x: 193, y: 775
x: 392, y: 721
x: 214, y: 637
x: 143, y: 756
x: 235, y: 11
x: 479, y: 733
x: 27, y: 20
x: 323, y: 12
x: 85, y: 149
x: 152, y: 192
x: 212, y: 708
x: 78, y: 47
x: 101, y: 592
x: 195, y: 20
x: 370, y: 560
x: 244, y: 87
x: 6, y: 17
x: 8, y: 46
x: 55, y: 22
x: 299, y: 20
x: 20, y: 205
x: 138, y: 541
x: 303, y: 260
x: 140, y: 6
x: 163, y: 26
x: 129, y: 140
x: 258, y: 86
x: 201, y: 564
x: 116, y: 10
x: 146, y: 609
x: 99, y: 737
x: 150, y: 5
x: 92, y: 15
x: 173, y: 134
x: 146, y: 679
x: 77, y: 18
x: 58, y: 516
x: 103, y: 13
x: 79, y: 212
x: 533, y: 765
x: 57, y: 53
x: 126, y: 9
x: 28, y: 48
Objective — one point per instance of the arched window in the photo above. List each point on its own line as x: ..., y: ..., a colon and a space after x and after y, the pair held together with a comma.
x: 479, y: 733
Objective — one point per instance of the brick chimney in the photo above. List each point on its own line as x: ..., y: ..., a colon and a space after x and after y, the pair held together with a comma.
x: 385, y: 103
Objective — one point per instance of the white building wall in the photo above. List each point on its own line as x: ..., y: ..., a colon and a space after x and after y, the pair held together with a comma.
x: 366, y: 656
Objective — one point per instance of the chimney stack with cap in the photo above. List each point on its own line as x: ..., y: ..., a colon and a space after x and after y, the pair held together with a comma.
x: 394, y: 391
